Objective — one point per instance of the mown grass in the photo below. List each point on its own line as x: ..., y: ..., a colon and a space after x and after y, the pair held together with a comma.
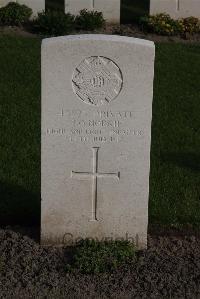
x: 175, y: 151
x: 19, y: 130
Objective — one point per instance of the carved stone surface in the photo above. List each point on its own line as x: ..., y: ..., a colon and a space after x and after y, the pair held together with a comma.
x: 94, y: 175
x: 96, y: 131
x: 97, y: 80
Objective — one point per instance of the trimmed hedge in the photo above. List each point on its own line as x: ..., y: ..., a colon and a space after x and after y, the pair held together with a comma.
x: 14, y: 14
x: 51, y: 22
x: 163, y: 24
x: 89, y: 20
x: 54, y: 22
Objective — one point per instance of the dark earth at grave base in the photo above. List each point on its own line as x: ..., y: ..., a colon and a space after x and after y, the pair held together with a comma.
x: 131, y: 30
x: 170, y: 268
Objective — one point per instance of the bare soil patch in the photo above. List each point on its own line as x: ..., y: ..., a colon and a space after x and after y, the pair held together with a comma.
x: 125, y: 30
x: 14, y: 30
x: 169, y: 268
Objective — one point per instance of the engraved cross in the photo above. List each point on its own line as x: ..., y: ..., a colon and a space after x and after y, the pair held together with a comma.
x: 92, y: 4
x: 94, y: 175
x: 177, y: 5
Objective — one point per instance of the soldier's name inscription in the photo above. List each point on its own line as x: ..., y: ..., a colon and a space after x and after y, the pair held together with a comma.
x: 97, y: 126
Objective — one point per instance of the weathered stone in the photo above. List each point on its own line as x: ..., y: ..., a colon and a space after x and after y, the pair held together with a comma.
x: 176, y: 8
x: 4, y: 2
x: 109, y: 8
x: 36, y: 5
x: 96, y: 131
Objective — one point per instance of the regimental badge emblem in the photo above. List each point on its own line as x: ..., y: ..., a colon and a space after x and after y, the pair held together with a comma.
x: 97, y: 80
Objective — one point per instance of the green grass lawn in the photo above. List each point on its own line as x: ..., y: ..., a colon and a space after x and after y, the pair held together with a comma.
x: 175, y: 153
x: 19, y: 130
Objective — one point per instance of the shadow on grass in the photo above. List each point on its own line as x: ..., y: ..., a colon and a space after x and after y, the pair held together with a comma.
x: 189, y: 161
x: 18, y: 206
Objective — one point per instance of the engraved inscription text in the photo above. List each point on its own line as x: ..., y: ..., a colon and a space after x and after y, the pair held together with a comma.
x: 94, y: 175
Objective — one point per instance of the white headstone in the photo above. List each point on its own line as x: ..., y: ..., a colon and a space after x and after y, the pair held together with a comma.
x: 4, y: 2
x: 96, y: 132
x: 176, y: 8
x: 36, y: 5
x: 109, y: 8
